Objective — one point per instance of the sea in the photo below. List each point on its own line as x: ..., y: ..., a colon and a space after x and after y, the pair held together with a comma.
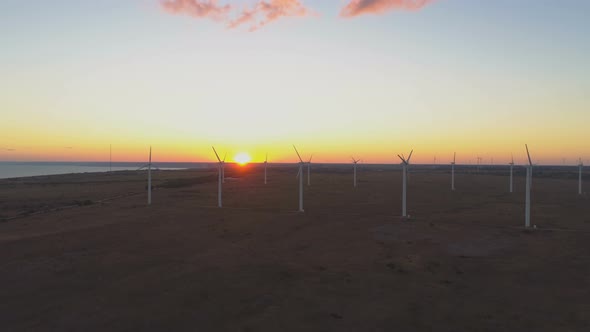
x: 15, y: 169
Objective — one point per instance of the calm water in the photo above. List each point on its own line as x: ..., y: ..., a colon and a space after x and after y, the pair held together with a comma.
x: 22, y: 169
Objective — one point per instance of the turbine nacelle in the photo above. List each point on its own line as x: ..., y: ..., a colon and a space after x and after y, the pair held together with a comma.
x: 404, y: 160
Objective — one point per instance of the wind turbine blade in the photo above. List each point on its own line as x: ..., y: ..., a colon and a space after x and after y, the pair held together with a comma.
x: 454, y: 157
x: 410, y: 156
x: 310, y: 158
x: 266, y: 160
x: 225, y: 155
x: 403, y: 160
x: 512, y: 159
x: 150, y: 154
x: 528, y: 154
x: 216, y: 155
x: 298, y: 155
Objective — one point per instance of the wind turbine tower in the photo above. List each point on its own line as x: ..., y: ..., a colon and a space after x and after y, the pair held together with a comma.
x: 265, y: 164
x: 354, y: 162
x: 453, y: 171
x: 405, y: 163
x: 300, y: 174
x: 308, y: 171
x: 220, y: 180
x: 511, y: 167
x: 529, y: 179
x: 150, y: 178
x: 580, y: 166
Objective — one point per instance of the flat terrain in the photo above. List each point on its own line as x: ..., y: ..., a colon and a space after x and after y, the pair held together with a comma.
x: 86, y: 253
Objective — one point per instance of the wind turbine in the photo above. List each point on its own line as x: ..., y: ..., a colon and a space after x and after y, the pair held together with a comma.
x: 405, y: 163
x: 453, y: 171
x: 354, y: 162
x: 529, y: 179
x: 308, y: 172
x: 150, y: 178
x: 300, y: 175
x: 265, y: 164
x: 581, y: 165
x: 220, y: 176
x: 511, y: 167
x: 149, y: 173
x: 110, y: 157
x: 478, y: 163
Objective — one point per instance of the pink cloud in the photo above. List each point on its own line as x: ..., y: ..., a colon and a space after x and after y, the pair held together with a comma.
x: 360, y: 7
x: 259, y: 14
x: 264, y: 12
x: 197, y: 8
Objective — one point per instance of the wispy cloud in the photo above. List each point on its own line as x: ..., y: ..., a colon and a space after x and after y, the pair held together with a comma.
x: 360, y: 7
x: 197, y: 8
x: 259, y: 14
x: 264, y: 12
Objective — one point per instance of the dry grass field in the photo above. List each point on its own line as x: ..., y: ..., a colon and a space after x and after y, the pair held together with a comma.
x: 87, y: 254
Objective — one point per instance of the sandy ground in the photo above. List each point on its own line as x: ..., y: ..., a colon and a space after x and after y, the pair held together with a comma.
x: 99, y: 259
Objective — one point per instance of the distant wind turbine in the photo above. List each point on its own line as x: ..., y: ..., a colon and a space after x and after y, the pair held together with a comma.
x: 150, y: 178
x: 405, y: 163
x: 110, y: 157
x: 354, y: 162
x: 453, y: 171
x: 300, y: 175
x: 478, y: 163
x: 581, y: 165
x: 265, y: 164
x: 308, y: 171
x: 529, y: 179
x: 220, y: 179
x: 511, y: 167
x: 149, y: 173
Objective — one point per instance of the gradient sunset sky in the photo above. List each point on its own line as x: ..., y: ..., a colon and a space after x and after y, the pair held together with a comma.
x: 369, y: 78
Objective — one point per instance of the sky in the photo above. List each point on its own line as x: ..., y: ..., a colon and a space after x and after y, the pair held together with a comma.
x: 337, y: 78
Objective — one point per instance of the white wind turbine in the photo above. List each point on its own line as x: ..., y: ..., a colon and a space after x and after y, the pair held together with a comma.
x: 220, y: 178
x: 511, y: 167
x: 453, y: 171
x: 354, y: 162
x: 308, y: 171
x: 580, y: 165
x: 529, y: 179
x: 300, y: 175
x: 405, y: 164
x: 265, y: 164
x: 150, y: 178
x: 149, y: 172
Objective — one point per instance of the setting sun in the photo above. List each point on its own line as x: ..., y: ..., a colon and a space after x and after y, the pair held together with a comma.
x: 242, y: 158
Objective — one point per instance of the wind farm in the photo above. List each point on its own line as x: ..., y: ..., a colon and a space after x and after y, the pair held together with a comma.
x: 427, y: 210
